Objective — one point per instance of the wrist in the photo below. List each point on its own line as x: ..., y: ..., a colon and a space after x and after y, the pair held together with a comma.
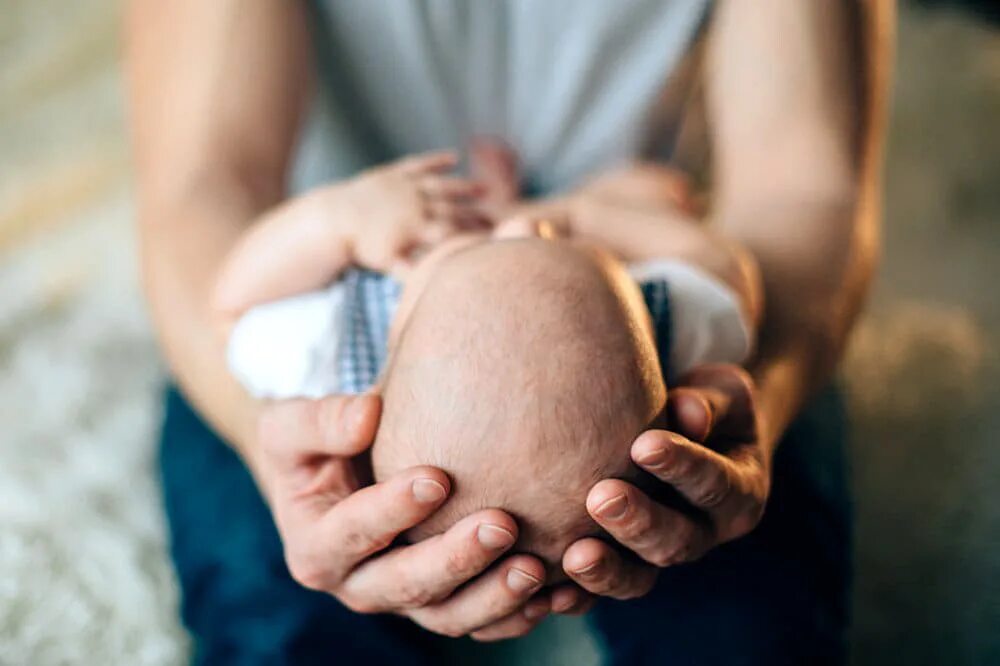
x: 782, y: 380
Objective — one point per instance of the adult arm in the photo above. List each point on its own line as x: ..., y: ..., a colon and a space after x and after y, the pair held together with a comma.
x: 217, y: 92
x: 796, y: 119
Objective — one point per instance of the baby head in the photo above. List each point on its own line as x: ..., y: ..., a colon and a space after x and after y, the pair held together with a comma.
x: 524, y: 369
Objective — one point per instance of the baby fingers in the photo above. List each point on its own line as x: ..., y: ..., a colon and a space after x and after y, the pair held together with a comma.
x: 449, y: 188
x: 438, y: 161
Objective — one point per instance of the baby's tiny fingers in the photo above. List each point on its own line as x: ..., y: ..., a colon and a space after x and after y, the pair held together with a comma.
x: 435, y: 231
x: 450, y: 187
x: 435, y: 161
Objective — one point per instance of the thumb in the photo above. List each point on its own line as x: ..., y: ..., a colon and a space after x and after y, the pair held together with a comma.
x: 338, y: 425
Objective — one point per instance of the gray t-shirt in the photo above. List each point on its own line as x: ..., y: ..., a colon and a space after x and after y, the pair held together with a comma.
x: 568, y: 84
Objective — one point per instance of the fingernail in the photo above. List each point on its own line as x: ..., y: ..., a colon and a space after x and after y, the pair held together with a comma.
x: 563, y: 604
x: 428, y: 491
x: 614, y: 508
x: 589, y: 570
x: 533, y: 612
x: 494, y: 537
x: 655, y: 458
x: 519, y: 581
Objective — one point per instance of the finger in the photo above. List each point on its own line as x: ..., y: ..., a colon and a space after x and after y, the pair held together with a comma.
x: 729, y: 391
x: 494, y: 595
x: 690, y: 412
x: 362, y: 524
x: 705, y: 478
x: 598, y: 568
x: 495, y: 164
x: 434, y: 232
x: 657, y: 534
x: 447, y: 210
x: 427, y: 572
x: 516, y: 624
x: 571, y: 600
x: 338, y: 425
x: 434, y: 161
x: 451, y: 188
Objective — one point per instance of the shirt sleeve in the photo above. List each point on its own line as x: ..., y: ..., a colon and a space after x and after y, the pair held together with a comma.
x: 289, y: 348
x: 697, y: 317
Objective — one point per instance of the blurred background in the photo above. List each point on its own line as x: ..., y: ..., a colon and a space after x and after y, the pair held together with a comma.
x: 83, y: 572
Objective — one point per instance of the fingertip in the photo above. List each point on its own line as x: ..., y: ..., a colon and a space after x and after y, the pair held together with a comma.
x: 524, y: 575
x: 691, y: 414
x: 605, y: 491
x: 648, y: 445
x: 537, y: 608
x: 583, y: 557
x: 496, y: 517
x: 427, y: 485
x: 366, y: 411
x: 348, y: 423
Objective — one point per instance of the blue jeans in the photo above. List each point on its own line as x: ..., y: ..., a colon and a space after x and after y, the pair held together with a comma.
x: 777, y: 596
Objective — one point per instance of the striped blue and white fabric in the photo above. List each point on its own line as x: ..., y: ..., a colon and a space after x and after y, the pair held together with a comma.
x: 370, y: 303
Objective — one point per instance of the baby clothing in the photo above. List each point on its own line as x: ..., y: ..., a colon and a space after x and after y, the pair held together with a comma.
x: 335, y: 340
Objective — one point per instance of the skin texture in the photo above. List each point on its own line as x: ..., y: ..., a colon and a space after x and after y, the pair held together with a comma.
x: 799, y: 156
x: 522, y: 417
x: 812, y: 123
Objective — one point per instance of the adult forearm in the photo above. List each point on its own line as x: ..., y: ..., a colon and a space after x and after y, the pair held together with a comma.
x: 817, y: 255
x: 182, y: 244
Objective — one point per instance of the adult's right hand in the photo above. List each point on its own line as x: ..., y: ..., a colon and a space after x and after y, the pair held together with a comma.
x: 338, y: 536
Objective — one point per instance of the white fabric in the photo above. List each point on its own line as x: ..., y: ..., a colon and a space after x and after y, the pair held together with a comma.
x: 708, y: 324
x: 289, y: 348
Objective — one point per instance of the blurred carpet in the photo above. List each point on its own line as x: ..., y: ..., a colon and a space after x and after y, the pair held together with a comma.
x: 83, y: 575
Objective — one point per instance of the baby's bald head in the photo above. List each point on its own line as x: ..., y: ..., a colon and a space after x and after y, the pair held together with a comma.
x: 524, y: 370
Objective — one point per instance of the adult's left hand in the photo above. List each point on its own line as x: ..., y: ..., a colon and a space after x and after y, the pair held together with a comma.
x: 714, y: 458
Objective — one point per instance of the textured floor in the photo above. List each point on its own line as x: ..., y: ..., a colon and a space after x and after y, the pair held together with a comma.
x: 83, y: 578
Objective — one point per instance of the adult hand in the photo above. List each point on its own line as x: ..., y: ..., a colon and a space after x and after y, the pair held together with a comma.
x: 714, y: 459
x: 338, y: 533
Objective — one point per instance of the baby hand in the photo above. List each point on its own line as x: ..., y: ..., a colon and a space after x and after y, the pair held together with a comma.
x: 411, y: 204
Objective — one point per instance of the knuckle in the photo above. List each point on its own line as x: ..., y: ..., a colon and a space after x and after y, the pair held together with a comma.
x: 638, y: 526
x: 457, y: 564
x: 411, y: 595
x: 713, y: 490
x: 358, y: 541
x: 667, y: 555
x: 686, y: 466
